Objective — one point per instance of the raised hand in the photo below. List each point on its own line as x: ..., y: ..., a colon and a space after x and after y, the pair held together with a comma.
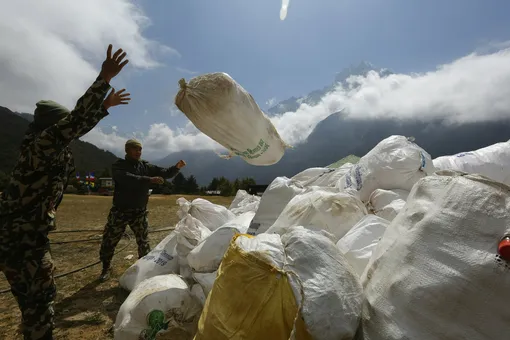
x: 116, y: 98
x: 181, y: 164
x: 113, y: 64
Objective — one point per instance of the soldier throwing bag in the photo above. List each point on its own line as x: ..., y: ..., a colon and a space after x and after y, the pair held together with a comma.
x: 132, y: 177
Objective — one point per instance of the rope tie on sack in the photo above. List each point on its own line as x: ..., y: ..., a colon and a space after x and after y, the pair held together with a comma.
x: 300, y: 307
x: 182, y: 84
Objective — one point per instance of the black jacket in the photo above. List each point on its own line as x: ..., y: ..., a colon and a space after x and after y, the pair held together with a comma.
x: 132, y: 182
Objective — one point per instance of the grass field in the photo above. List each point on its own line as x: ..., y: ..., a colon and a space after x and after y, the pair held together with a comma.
x: 85, y: 308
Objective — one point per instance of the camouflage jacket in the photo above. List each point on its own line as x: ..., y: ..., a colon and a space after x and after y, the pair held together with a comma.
x: 132, y: 181
x: 45, y: 163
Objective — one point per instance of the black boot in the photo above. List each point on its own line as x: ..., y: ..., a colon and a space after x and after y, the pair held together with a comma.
x: 105, y: 274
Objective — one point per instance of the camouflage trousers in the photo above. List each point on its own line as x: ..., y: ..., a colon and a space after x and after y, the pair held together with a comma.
x: 25, y: 260
x: 115, y: 227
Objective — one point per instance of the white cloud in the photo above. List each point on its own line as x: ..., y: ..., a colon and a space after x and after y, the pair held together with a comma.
x: 157, y: 143
x: 185, y: 70
x: 271, y: 102
x: 52, y: 49
x: 472, y: 88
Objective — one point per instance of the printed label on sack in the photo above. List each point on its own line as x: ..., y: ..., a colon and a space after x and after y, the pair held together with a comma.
x: 256, y: 152
x: 358, y: 176
x: 464, y: 154
x: 162, y: 258
x: 423, y: 160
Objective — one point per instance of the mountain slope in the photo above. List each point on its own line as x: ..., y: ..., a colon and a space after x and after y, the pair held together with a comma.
x: 87, y: 156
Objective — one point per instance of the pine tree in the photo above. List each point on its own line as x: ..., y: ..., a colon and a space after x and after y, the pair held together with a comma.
x: 191, y: 185
x: 179, y: 184
x: 213, y: 186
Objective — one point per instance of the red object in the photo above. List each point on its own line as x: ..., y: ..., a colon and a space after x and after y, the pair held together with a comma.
x: 504, y: 248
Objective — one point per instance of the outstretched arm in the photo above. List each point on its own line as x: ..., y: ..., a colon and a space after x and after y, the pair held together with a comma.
x: 166, y: 173
x: 89, y: 110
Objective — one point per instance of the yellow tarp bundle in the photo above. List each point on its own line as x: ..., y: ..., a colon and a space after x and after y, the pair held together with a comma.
x: 250, y: 300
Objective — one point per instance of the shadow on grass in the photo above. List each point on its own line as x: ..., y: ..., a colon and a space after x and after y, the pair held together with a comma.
x: 89, y: 305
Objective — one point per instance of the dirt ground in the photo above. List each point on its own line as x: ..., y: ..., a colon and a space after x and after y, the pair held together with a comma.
x: 84, y: 308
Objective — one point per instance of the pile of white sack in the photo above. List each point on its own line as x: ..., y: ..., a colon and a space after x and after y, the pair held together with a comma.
x: 176, y: 276
x: 388, y: 248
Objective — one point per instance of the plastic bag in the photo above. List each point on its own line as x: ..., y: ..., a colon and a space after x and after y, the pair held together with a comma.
x: 333, y: 294
x: 272, y: 203
x: 244, y: 202
x: 209, y: 214
x: 321, y: 209
x: 492, y: 162
x: 206, y: 256
x: 157, y: 305
x: 234, y: 307
x: 394, y: 163
x: 161, y: 260
x: 190, y: 232
x: 227, y: 113
x: 206, y: 281
x: 321, y: 177
x: 198, y: 292
x: 436, y: 273
x: 387, y: 203
x: 359, y: 242
x: 311, y: 291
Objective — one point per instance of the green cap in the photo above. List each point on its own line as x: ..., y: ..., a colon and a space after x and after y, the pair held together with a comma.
x: 48, y: 112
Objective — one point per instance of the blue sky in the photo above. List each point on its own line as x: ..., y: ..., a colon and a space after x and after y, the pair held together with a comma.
x: 277, y: 59
x: 272, y: 59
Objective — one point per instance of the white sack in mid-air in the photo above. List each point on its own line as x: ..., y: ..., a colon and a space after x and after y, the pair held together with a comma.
x: 223, y: 110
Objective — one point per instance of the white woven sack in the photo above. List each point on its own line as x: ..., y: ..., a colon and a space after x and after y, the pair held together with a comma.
x: 436, y: 273
x: 395, y: 163
x: 161, y: 304
x: 272, y: 203
x: 492, y: 162
x: 321, y: 209
x: 387, y: 203
x: 223, y: 110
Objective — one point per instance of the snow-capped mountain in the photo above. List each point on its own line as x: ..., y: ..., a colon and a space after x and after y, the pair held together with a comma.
x: 314, y: 97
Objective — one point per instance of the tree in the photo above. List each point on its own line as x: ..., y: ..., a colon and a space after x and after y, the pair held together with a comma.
x: 105, y: 173
x: 179, y: 184
x: 191, y: 186
x: 236, y: 186
x: 213, y: 186
x: 225, y: 187
x: 247, y: 182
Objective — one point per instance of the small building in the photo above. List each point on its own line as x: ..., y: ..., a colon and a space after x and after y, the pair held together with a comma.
x: 106, y: 186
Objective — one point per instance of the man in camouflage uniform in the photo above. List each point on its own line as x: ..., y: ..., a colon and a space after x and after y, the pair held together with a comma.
x: 132, y: 177
x: 29, y: 203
